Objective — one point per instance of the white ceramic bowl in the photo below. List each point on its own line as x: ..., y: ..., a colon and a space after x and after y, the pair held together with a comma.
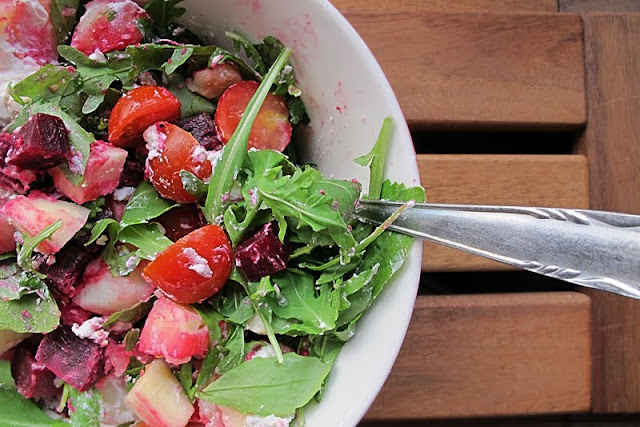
x: 347, y: 97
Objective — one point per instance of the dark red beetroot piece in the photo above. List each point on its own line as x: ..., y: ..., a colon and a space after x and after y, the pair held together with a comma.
x: 63, y: 275
x: 132, y: 173
x: 43, y: 143
x: 13, y: 178
x: 33, y: 380
x: 76, y: 361
x: 262, y: 254
x: 72, y: 313
x: 203, y: 130
x: 180, y: 221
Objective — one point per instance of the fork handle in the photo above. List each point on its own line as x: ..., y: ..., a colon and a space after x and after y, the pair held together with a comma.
x: 595, y: 249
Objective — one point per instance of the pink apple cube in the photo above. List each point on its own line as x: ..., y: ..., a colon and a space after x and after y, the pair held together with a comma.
x: 99, y: 292
x: 30, y: 215
x: 175, y: 332
x: 101, y: 176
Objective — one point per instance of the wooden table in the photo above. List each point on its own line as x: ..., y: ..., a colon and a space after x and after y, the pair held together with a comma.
x: 524, y: 102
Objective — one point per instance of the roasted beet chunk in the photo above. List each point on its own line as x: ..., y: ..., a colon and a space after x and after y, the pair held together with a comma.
x: 202, y: 129
x: 262, y: 254
x: 74, y: 360
x: 71, y: 313
x: 132, y: 173
x: 13, y: 178
x: 33, y: 380
x: 43, y: 143
x: 64, y: 273
x: 180, y: 221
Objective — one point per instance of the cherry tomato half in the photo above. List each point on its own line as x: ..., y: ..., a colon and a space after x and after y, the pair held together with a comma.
x: 137, y: 110
x: 271, y: 129
x: 172, y: 149
x: 195, y: 267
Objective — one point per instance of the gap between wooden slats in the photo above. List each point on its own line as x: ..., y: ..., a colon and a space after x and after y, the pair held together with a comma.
x: 491, y: 355
x: 490, y: 71
x: 520, y: 180
x: 446, y: 5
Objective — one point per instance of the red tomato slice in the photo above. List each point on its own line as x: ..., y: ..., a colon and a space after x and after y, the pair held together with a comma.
x: 271, y: 129
x: 172, y: 149
x: 137, y: 110
x: 195, y: 267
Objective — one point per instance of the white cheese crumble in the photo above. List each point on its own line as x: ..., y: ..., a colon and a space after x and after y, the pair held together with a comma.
x: 76, y: 162
x: 98, y: 56
x: 197, y: 263
x: 123, y: 194
x: 92, y: 329
x: 269, y: 421
x: 155, y: 140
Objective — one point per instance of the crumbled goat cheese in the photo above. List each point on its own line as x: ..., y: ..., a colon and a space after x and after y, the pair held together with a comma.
x: 268, y: 421
x: 123, y: 194
x: 92, y: 329
x: 197, y: 263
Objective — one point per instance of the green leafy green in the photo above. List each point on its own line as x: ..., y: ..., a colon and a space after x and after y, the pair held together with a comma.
x: 129, y: 315
x: 97, y: 76
x: 15, y: 410
x: 178, y: 58
x: 235, y: 151
x: 63, y: 17
x: 50, y: 81
x: 163, y: 13
x: 147, y: 238
x: 31, y: 313
x: 234, y: 349
x: 308, y: 311
x: 193, y: 185
x: 144, y: 205
x: 261, y: 386
x: 376, y: 159
x: 86, y: 408
x: 99, y: 227
x: 252, y: 53
x: 6, y: 380
x: 15, y: 283
x: 29, y: 244
x: 185, y: 377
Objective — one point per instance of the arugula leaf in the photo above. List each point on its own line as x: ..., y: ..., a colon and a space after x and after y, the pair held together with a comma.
x: 165, y: 57
x: 376, y: 159
x: 99, y: 227
x: 261, y: 386
x: 164, y: 12
x: 131, y: 339
x: 297, y: 111
x: 234, y: 347
x: 6, y: 380
x: 145, y: 204
x: 15, y: 410
x: 31, y: 313
x: 147, y: 238
x: 86, y: 408
x: 26, y: 249
x: 241, y: 43
x: 235, y: 151
x: 129, y: 315
x: 63, y: 17
x: 178, y: 58
x: 390, y: 250
x: 308, y: 313
x: 185, y: 377
x: 193, y: 185
x: 97, y: 76
x: 50, y: 81
x: 14, y: 285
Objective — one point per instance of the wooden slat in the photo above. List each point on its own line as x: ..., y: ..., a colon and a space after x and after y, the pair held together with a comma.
x: 612, y: 144
x: 491, y: 355
x: 582, y: 6
x: 498, y: 71
x: 521, y: 180
x: 482, y: 6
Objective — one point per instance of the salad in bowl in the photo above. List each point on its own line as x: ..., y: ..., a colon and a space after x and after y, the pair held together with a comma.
x: 170, y: 255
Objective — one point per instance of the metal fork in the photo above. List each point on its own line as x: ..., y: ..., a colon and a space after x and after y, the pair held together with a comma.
x: 595, y: 249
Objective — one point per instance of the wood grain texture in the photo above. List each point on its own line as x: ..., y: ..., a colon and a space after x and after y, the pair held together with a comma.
x: 482, y: 6
x: 492, y: 71
x: 491, y: 355
x: 612, y: 144
x: 521, y: 180
x: 583, y: 6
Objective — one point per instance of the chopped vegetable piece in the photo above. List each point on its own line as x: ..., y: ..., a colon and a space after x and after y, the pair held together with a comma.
x: 180, y: 221
x: 108, y: 25
x: 262, y: 254
x: 171, y: 150
x: 212, y: 82
x: 175, y: 332
x: 137, y: 110
x: 101, y: 176
x: 33, y: 379
x: 195, y: 267
x: 271, y: 129
x: 43, y: 142
x: 63, y: 275
x: 158, y: 399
